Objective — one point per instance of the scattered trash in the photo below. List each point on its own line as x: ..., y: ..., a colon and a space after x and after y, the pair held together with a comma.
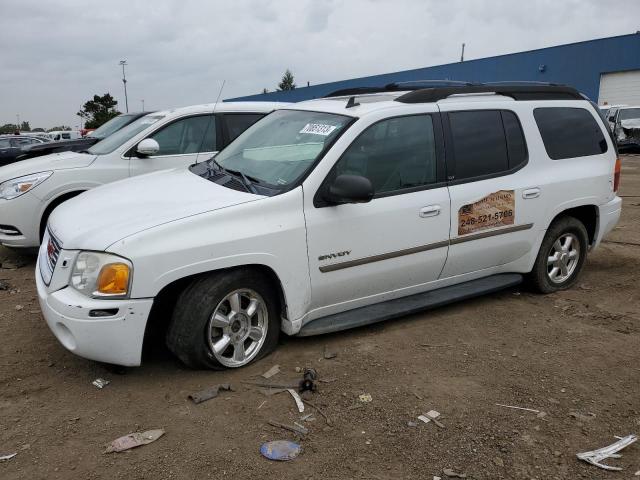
x: 419, y: 397
x: 292, y: 428
x: 594, y: 457
x: 328, y: 355
x: 306, y: 417
x: 209, y: 393
x: 308, y: 382
x: 297, y: 398
x: 365, y: 398
x: 271, y: 372
x: 100, y: 383
x: 435, y: 477
x: 450, y: 473
x: 280, y: 450
x: 7, y: 457
x: 518, y: 408
x: 19, y: 307
x: 431, y: 416
x: 4, y: 285
x: 430, y: 345
x: 298, y: 370
x: 412, y: 424
x: 324, y: 415
x: 134, y: 440
x: 637, y: 474
x: 583, y: 418
x: 261, y: 405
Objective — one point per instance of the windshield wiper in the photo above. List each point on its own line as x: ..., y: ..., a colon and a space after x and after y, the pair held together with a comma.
x: 248, y: 184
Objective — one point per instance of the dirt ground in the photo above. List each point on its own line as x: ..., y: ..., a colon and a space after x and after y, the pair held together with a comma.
x: 574, y: 356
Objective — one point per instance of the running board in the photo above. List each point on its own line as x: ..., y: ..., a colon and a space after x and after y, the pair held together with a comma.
x: 398, y: 307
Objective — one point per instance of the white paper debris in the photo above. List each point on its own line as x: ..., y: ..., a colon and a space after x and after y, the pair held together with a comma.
x: 297, y: 398
x: 594, y: 457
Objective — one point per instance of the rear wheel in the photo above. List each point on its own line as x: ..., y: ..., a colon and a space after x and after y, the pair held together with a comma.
x: 561, y: 256
x: 225, y: 320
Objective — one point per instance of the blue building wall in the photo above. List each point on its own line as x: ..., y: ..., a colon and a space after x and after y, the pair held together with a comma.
x: 576, y: 64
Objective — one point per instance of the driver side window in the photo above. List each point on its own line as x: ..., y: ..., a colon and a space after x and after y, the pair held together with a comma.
x: 394, y: 154
x: 187, y: 135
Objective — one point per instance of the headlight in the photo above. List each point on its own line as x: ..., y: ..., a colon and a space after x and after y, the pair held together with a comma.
x: 17, y: 186
x: 101, y: 275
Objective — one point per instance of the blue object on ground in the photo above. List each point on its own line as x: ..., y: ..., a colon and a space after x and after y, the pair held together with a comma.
x: 280, y: 450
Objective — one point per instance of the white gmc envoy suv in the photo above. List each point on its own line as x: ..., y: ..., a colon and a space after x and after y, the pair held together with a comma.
x: 31, y: 189
x: 334, y: 213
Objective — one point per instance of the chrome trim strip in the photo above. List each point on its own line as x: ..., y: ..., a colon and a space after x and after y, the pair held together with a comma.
x: 492, y: 233
x: 423, y: 248
x: 383, y: 256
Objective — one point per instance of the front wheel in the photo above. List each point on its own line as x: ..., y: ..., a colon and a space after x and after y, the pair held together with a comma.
x: 561, y: 256
x: 225, y: 320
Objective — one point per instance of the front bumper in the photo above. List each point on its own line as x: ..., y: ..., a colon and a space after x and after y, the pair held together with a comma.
x: 22, y: 213
x: 116, y: 339
x: 609, y: 215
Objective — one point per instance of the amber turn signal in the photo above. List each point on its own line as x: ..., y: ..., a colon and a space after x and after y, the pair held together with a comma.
x: 113, y: 279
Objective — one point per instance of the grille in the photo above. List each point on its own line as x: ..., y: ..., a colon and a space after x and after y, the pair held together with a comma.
x: 53, y: 252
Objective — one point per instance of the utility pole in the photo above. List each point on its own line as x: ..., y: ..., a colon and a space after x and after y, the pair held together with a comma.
x: 462, y: 54
x: 124, y: 81
x: 18, y: 117
x: 142, y: 104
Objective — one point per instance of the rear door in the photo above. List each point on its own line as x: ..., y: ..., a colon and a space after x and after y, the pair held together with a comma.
x: 365, y: 253
x: 495, y: 198
x: 233, y: 124
x: 181, y: 142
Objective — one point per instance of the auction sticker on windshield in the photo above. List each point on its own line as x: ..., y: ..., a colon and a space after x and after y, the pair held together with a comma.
x: 495, y: 210
x: 318, y: 129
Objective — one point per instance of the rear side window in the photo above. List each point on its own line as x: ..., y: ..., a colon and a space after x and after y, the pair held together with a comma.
x: 238, y: 123
x: 485, y: 143
x: 569, y: 132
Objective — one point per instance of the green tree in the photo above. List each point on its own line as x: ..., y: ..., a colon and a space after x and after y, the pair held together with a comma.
x: 287, y: 81
x: 99, y: 110
x: 8, y: 128
x: 59, y: 128
x: 25, y: 127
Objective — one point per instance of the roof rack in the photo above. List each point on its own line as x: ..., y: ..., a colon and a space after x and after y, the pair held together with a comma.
x: 424, y: 91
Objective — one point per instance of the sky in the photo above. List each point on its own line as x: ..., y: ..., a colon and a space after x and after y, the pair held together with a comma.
x: 56, y: 55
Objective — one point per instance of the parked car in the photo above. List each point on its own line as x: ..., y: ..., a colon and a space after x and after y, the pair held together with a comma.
x: 60, y: 135
x: 80, y: 144
x: 626, y: 126
x: 31, y: 189
x: 609, y: 112
x: 331, y: 214
x: 11, y: 146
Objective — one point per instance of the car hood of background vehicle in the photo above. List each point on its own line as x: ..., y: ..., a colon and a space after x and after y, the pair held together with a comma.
x: 54, y: 161
x: 100, y: 217
x: 631, y: 123
x: 75, y: 145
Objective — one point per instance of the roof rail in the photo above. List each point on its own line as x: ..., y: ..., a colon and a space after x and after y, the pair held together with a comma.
x: 422, y: 91
x: 515, y: 90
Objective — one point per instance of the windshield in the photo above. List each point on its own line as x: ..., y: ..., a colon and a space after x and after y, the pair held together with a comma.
x: 628, y: 113
x: 281, y: 147
x: 115, y: 140
x: 111, y: 126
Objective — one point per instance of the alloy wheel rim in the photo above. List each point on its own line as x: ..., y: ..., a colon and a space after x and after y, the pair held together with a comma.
x: 563, y: 258
x: 238, y: 328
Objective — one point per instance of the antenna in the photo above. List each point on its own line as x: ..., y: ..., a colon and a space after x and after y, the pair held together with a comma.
x: 212, y: 119
x: 462, y: 54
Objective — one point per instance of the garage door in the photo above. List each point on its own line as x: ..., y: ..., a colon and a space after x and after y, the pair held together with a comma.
x: 620, y: 88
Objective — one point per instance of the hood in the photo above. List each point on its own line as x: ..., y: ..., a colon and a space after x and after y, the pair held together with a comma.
x: 55, y: 161
x: 630, y: 123
x: 100, y: 217
x: 62, y: 146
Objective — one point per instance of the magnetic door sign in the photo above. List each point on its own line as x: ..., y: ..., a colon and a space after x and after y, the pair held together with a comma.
x: 495, y: 210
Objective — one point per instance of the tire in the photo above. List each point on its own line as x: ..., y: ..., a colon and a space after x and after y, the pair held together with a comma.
x: 549, y: 275
x: 234, y: 310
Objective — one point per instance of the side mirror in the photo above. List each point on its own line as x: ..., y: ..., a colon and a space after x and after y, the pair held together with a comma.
x: 148, y: 147
x: 349, y: 189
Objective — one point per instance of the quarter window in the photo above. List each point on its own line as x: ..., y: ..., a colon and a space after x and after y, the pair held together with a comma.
x: 394, y: 154
x: 569, y: 132
x: 187, y: 135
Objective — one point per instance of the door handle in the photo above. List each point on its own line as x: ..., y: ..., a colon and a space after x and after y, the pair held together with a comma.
x: 430, y: 211
x: 531, y: 193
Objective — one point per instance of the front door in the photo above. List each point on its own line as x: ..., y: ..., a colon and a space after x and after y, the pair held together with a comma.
x: 181, y: 143
x: 364, y: 253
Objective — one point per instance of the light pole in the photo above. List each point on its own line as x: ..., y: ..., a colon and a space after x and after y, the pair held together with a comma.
x: 18, y: 117
x: 142, y: 104
x: 124, y: 81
